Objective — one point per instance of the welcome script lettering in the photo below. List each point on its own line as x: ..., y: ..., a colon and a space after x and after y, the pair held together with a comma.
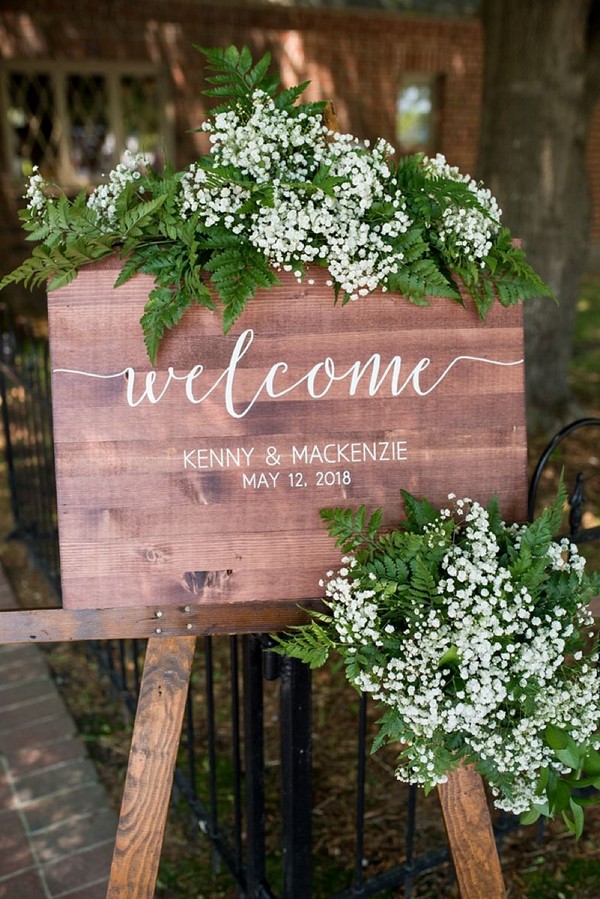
x: 378, y: 377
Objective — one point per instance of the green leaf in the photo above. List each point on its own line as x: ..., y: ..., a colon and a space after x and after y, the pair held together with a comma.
x: 576, y: 822
x: 130, y: 268
x: 450, y: 657
x: 591, y: 762
x: 348, y: 529
x: 542, y: 781
x: 62, y: 279
x: 236, y: 78
x: 136, y: 216
x: 238, y: 270
x: 568, y: 757
x: 556, y: 737
x: 531, y: 816
x: 374, y: 524
x: 560, y: 798
x: 309, y: 643
x: 418, y: 512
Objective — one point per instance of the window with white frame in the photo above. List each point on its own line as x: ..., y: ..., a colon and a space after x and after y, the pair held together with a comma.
x: 417, y: 113
x: 76, y: 123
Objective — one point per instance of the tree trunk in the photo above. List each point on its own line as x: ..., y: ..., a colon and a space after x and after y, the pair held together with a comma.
x: 537, y: 108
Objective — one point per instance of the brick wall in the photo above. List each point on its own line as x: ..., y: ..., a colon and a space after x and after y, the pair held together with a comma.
x: 355, y: 58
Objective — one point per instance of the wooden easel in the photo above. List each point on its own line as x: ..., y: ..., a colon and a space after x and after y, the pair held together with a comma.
x: 154, y: 744
x: 157, y: 730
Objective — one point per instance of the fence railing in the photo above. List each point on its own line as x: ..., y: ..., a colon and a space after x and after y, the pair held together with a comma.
x: 28, y: 443
x: 239, y: 731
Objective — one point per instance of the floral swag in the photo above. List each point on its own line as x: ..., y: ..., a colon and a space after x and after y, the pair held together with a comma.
x: 279, y: 190
x: 476, y: 639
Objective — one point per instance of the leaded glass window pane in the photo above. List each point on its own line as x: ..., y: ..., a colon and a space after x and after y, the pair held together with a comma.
x: 141, y: 110
x: 31, y: 123
x: 92, y: 146
x: 76, y: 125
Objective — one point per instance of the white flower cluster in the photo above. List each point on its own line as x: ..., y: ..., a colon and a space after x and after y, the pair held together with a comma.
x: 565, y: 557
x: 213, y: 202
x: 467, y: 232
x: 270, y: 144
x: 471, y: 664
x: 355, y: 617
x: 36, y: 196
x: 104, y: 198
x: 300, y: 225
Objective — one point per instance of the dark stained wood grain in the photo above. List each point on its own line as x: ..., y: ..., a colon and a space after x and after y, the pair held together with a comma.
x: 58, y: 625
x: 470, y: 836
x: 151, y: 494
x: 154, y: 745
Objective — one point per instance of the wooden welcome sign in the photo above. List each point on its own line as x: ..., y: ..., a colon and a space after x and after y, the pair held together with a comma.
x: 199, y: 482
x: 189, y: 493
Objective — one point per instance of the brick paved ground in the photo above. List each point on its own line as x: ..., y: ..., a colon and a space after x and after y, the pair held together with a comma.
x: 56, y: 827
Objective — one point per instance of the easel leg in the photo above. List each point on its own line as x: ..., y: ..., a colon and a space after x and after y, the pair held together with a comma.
x: 470, y: 835
x: 154, y: 745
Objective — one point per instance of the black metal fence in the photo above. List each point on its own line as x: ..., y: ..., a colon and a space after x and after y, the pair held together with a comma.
x: 28, y: 443
x: 255, y: 766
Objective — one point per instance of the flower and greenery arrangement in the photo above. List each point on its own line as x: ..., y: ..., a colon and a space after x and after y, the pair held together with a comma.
x: 279, y: 190
x: 476, y: 639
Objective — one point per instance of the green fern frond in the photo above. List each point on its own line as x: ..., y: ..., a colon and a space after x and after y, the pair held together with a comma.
x: 64, y: 277
x: 351, y: 529
x: 140, y: 214
x: 288, y: 97
x: 419, y: 512
x: 162, y: 311
x: 30, y: 273
x: 420, y: 281
x: 235, y: 77
x: 310, y: 643
x: 131, y: 267
x: 237, y: 272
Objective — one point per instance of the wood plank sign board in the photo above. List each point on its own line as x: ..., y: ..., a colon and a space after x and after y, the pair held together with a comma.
x: 201, y: 479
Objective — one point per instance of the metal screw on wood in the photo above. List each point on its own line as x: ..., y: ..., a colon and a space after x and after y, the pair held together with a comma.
x: 158, y: 630
x: 159, y: 614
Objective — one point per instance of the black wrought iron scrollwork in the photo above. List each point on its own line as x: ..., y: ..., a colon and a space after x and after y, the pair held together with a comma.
x: 577, y: 496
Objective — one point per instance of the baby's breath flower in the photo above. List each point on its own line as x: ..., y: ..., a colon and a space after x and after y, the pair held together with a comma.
x: 300, y: 224
x: 466, y: 233
x: 103, y: 199
x: 37, y: 194
x: 481, y: 670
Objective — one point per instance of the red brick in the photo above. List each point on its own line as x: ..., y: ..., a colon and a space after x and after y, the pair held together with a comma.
x: 54, y: 809
x: 25, y: 759
x: 15, y: 851
x: 21, y: 671
x: 37, y: 732
x: 95, y: 891
x: 79, y: 869
x: 33, y: 710
x: 6, y: 794
x: 64, y: 839
x: 23, y: 886
x: 51, y: 780
x: 23, y: 692
x: 355, y: 56
x: 10, y: 654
